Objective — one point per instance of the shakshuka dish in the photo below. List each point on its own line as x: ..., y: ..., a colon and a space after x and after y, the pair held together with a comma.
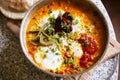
x: 63, y: 38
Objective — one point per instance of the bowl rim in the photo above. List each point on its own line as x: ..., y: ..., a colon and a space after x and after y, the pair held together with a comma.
x: 22, y: 37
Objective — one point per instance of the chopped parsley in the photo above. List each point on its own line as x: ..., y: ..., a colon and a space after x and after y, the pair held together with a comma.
x: 53, y: 50
x: 73, y: 17
x: 52, y: 20
x: 76, y: 21
x: 57, y: 69
x: 69, y: 44
x: 46, y: 51
x: 69, y: 61
x: 64, y: 34
x: 44, y: 56
x: 65, y: 26
x: 83, y: 44
x: 59, y: 40
x: 75, y: 67
x: 57, y: 53
x: 73, y: 54
x: 39, y: 48
x: 50, y: 11
x: 50, y: 30
x: 49, y: 38
x: 88, y: 29
x: 86, y: 42
x: 95, y: 33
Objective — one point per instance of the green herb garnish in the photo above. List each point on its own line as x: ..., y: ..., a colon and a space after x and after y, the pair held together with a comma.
x: 73, y: 17
x: 39, y: 49
x: 53, y: 50
x: 44, y: 56
x: 50, y: 11
x: 69, y: 61
x: 50, y: 30
x: 52, y: 20
x: 73, y: 54
x: 65, y: 26
x: 64, y: 34
x: 69, y: 44
x: 57, y: 53
x: 83, y: 44
x: 76, y: 21
x: 86, y: 42
x: 75, y: 67
x: 46, y: 51
x: 59, y: 40
x: 95, y: 33
x: 57, y: 69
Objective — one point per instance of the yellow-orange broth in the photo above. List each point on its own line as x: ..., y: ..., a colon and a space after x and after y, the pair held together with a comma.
x: 94, y: 34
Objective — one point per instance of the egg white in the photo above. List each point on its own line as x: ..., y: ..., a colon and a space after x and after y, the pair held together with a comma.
x: 77, y: 27
x: 51, y: 61
x: 56, y: 13
x: 76, y: 49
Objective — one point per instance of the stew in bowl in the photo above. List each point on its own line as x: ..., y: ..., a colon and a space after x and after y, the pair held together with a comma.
x: 62, y: 37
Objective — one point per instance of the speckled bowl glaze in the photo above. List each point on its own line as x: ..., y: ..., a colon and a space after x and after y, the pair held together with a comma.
x: 41, y: 3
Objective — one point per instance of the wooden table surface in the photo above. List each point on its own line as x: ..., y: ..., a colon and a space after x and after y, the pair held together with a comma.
x: 113, y: 8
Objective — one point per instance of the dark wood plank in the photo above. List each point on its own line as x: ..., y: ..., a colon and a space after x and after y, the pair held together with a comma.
x: 113, y: 8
